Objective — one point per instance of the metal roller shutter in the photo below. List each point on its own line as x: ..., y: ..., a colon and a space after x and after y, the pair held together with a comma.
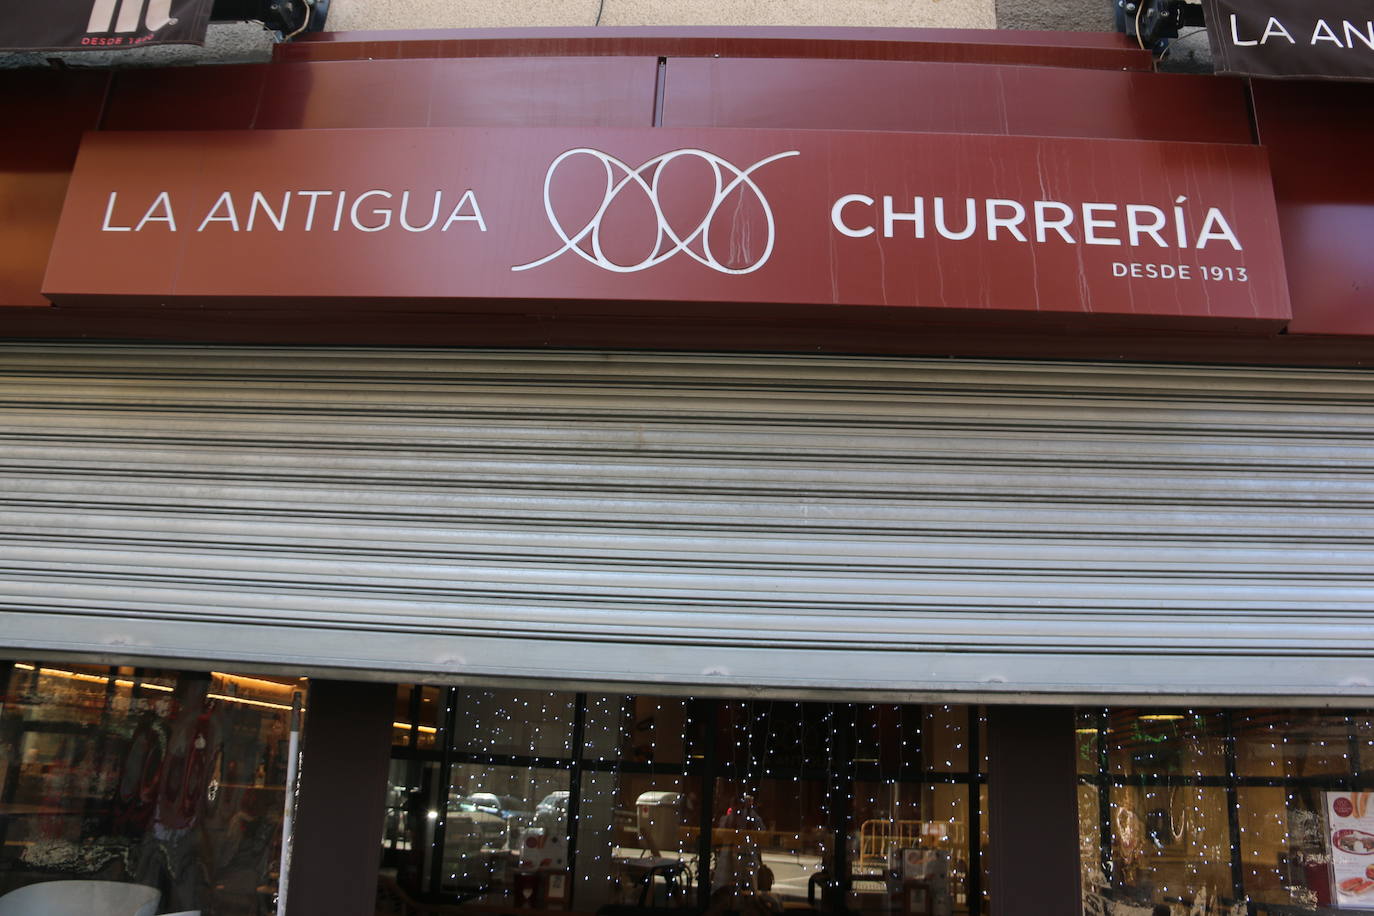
x: 718, y: 522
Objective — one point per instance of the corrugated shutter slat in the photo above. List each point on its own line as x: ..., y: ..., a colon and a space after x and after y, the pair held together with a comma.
x: 928, y: 528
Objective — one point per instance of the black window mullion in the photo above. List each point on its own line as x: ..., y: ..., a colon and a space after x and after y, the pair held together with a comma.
x: 401, y: 752
x: 11, y: 730
x: 1104, y: 794
x: 518, y: 761
x: 413, y: 739
x: 579, y: 732
x: 1233, y: 808
x: 844, y: 724
x: 638, y: 769
x: 1353, y: 738
x: 414, y: 766
x: 909, y: 777
x: 707, y: 712
x: 445, y: 781
x: 586, y: 765
x: 973, y: 881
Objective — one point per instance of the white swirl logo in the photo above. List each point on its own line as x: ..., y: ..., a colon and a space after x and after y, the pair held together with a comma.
x: 696, y: 244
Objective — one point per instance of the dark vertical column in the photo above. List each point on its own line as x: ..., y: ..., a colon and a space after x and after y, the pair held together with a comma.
x: 11, y: 734
x: 1104, y: 797
x: 342, y: 809
x: 1033, y: 812
x: 974, y: 888
x: 579, y: 749
x: 440, y: 834
x: 845, y: 724
x: 413, y: 765
x: 707, y: 713
x: 1233, y: 809
x: 1352, y: 753
x: 11, y: 731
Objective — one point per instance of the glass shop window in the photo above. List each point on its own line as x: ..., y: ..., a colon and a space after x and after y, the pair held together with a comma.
x: 418, y: 717
x: 1254, y: 811
x: 412, y: 810
x: 774, y: 804
x: 636, y: 830
x: 917, y: 815
x: 517, y: 723
x: 630, y: 805
x: 637, y: 840
x: 170, y: 785
x: 635, y: 730
x: 479, y: 798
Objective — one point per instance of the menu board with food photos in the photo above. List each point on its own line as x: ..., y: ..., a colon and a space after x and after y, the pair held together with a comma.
x: 1350, y: 841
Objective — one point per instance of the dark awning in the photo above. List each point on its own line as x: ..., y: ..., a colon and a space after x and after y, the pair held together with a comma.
x: 1312, y: 39
x: 101, y: 25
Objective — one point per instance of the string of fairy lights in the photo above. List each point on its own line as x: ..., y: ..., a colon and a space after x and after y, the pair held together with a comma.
x: 1217, y: 805
x: 1212, y: 806
x: 615, y: 783
x: 1219, y: 810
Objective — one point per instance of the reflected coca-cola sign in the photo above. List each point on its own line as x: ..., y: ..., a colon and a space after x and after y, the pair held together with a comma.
x: 935, y: 221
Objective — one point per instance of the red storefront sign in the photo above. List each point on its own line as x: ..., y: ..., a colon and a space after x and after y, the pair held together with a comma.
x: 930, y: 221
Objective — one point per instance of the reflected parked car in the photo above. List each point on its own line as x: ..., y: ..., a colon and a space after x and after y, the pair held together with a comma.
x: 496, y: 819
x: 551, y: 814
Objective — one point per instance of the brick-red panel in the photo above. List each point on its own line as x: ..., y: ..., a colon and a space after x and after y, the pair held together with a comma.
x: 1321, y: 143
x: 1042, y: 48
x: 530, y: 324
x: 45, y: 113
x: 186, y: 98
x: 495, y: 92
x: 958, y: 98
x: 51, y: 105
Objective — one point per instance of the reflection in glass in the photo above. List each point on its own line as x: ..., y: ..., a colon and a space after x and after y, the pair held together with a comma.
x: 417, y: 719
x: 501, y: 819
x: 1166, y: 742
x: 412, y: 810
x: 172, y: 780
x: 551, y: 800
x: 1169, y: 842
x: 930, y: 738
x: 911, y: 836
x: 401, y: 724
x: 636, y: 840
x: 983, y: 872
x: 1214, y: 809
x: 770, y: 839
x: 1292, y: 743
x: 642, y: 729
x: 521, y: 723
